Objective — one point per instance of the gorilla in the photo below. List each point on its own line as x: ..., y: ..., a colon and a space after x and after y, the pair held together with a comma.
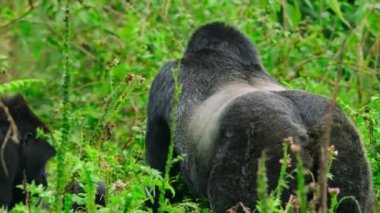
x: 27, y: 155
x: 74, y: 187
x: 229, y: 111
x: 24, y: 156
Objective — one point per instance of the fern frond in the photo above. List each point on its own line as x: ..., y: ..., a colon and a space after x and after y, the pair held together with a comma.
x: 17, y: 85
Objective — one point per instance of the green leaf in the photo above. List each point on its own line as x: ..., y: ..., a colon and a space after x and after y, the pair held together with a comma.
x: 293, y: 14
x: 18, y: 85
x: 335, y: 6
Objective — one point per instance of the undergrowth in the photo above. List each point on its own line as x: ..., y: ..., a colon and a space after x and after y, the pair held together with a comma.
x: 106, y: 54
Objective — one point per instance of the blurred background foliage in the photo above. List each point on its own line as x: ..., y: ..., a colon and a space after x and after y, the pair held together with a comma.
x: 121, y: 42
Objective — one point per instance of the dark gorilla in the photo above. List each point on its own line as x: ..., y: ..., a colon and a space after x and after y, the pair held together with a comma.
x: 230, y: 110
x: 74, y: 187
x: 25, y: 156
x: 28, y: 155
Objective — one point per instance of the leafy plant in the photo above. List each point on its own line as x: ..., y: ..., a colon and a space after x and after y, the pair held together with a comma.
x: 107, y: 53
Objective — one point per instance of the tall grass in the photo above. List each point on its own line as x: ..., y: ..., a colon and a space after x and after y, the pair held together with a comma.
x: 298, y: 42
x: 169, y: 162
x: 63, y: 144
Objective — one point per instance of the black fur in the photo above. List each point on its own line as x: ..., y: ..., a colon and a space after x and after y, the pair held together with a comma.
x: 75, y: 188
x: 225, y: 171
x: 28, y: 157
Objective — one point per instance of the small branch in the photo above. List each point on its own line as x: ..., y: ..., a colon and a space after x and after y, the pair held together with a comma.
x: 284, y: 15
x: 26, y: 190
x: 327, y: 124
x: 5, y: 141
x: 15, y: 20
x: 12, y: 129
x: 12, y: 123
x: 310, y: 59
x: 31, y: 4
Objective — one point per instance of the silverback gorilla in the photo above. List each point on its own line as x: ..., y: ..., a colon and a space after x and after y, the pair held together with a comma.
x: 230, y: 110
x: 24, y: 157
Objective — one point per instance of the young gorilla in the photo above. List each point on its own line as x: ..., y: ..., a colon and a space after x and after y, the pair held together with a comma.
x: 230, y: 110
x: 74, y: 187
x: 24, y: 157
x: 30, y: 154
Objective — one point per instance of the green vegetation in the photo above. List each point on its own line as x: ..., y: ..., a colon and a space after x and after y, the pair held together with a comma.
x: 85, y: 68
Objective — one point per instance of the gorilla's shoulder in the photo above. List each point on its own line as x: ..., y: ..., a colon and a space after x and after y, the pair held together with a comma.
x: 161, y: 91
x: 165, y: 73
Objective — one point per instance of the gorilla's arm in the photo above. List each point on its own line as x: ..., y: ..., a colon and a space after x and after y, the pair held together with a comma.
x: 159, y: 112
